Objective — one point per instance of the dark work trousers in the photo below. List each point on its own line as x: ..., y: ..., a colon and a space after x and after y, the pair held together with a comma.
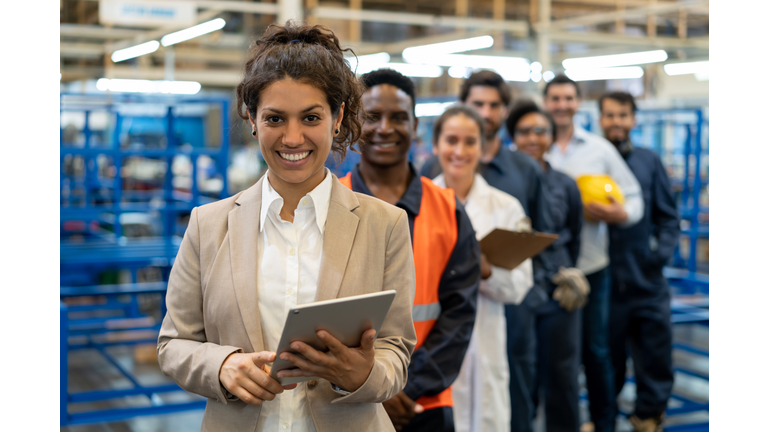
x: 558, y: 336
x: 640, y: 321
x: 596, y: 355
x: 433, y: 420
x: 521, y: 352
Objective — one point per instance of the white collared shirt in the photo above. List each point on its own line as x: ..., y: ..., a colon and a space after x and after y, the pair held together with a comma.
x: 289, y: 256
x: 588, y: 153
x: 481, y: 391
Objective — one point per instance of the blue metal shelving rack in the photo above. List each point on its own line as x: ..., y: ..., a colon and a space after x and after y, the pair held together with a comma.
x: 93, y: 237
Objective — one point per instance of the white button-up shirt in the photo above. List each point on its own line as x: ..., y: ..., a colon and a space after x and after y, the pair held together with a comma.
x: 289, y: 256
x: 588, y: 153
x: 481, y: 391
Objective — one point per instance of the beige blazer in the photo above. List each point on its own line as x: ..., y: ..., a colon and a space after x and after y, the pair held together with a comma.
x: 213, y: 306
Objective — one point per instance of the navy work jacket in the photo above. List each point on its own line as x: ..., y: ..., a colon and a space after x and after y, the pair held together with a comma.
x: 638, y: 253
x: 437, y: 362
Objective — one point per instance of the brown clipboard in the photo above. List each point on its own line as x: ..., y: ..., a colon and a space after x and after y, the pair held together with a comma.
x: 507, y: 249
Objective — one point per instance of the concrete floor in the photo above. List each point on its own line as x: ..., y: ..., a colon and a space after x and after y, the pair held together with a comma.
x: 90, y: 371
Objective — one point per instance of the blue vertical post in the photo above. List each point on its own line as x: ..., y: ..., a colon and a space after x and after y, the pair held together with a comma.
x: 696, y: 195
x: 87, y: 158
x: 63, y: 365
x: 117, y: 194
x: 224, y: 153
x: 168, y: 216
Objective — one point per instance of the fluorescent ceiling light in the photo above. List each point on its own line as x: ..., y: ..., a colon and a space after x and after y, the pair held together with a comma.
x: 459, y: 71
x: 473, y: 61
x: 455, y: 46
x: 510, y: 68
x: 366, y: 63
x: 146, y: 86
x: 415, y: 70
x: 193, y: 32
x: 615, y: 60
x: 605, y: 73
x: 700, y: 67
x: 135, y: 51
x: 432, y: 109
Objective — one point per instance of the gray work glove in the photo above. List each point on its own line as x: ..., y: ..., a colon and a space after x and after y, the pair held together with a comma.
x: 572, y: 288
x: 524, y: 225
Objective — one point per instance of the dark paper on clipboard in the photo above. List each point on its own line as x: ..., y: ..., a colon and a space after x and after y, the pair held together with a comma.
x: 507, y: 249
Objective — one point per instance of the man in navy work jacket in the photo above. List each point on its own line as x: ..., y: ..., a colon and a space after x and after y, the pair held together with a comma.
x: 519, y: 175
x: 446, y: 252
x: 640, y: 298
x: 577, y: 152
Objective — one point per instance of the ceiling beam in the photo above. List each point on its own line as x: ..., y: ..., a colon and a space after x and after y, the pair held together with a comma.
x: 614, y: 39
x: 639, y: 12
x: 518, y: 27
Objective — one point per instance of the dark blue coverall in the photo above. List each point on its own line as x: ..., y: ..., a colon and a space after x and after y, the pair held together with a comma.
x: 640, y: 299
x: 558, y: 332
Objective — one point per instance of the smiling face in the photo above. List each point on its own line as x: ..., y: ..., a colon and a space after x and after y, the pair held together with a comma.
x: 295, y: 129
x: 616, y: 120
x: 458, y: 146
x: 562, y: 102
x: 487, y: 101
x: 389, y: 126
x: 533, y: 135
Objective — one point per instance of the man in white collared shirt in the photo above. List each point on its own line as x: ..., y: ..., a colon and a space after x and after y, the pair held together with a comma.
x: 578, y: 152
x: 289, y: 256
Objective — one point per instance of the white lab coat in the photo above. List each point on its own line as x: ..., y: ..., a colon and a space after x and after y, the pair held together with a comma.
x: 481, y: 391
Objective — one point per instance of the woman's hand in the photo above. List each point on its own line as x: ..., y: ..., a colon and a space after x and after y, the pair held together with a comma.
x: 348, y: 368
x: 247, y: 377
x: 485, y: 267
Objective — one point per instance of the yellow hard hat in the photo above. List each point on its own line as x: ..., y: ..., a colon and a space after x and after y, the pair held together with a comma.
x: 597, y: 187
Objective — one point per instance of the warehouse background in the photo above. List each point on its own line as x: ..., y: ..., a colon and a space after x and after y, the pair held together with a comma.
x: 144, y: 139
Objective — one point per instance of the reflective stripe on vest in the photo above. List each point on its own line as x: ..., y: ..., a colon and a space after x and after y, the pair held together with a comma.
x: 434, y: 237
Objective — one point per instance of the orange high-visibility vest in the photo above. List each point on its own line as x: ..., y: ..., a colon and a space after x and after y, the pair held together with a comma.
x: 434, y: 236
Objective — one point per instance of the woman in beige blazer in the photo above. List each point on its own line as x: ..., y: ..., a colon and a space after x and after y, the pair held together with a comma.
x: 301, y: 99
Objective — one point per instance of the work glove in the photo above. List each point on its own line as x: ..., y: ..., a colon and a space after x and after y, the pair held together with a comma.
x: 524, y: 225
x: 572, y: 288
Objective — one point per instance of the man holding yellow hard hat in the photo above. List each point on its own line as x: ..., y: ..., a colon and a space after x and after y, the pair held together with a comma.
x: 618, y: 201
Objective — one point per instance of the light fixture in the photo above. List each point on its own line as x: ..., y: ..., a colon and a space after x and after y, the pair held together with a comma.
x: 615, y: 60
x: 535, y: 76
x: 135, y: 51
x: 700, y: 67
x: 473, y: 61
x: 459, y: 71
x: 415, y: 70
x: 548, y: 76
x: 432, y: 109
x: 366, y: 63
x: 510, y: 68
x: 193, y: 32
x: 536, y: 67
x: 449, y: 47
x: 605, y: 73
x: 146, y: 86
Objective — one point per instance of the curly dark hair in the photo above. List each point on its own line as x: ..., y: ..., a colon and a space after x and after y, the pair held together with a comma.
x: 311, y: 55
x: 392, y: 77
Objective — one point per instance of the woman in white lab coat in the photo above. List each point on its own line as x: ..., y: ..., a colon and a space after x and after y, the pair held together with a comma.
x: 481, y: 391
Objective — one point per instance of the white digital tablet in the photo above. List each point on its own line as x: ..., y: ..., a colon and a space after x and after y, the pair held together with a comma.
x: 345, y: 318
